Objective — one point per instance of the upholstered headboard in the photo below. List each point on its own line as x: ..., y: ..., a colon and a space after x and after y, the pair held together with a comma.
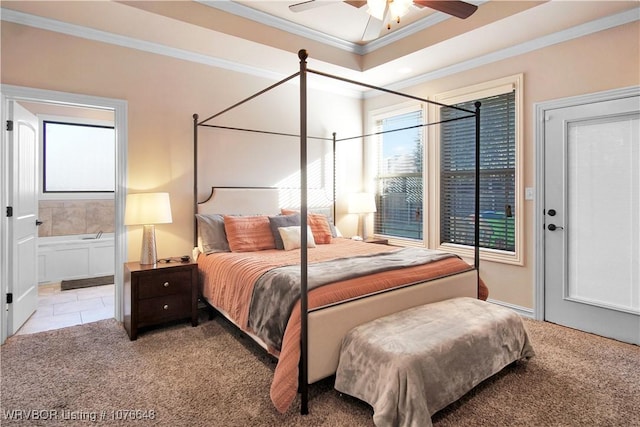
x: 241, y: 201
x: 258, y: 201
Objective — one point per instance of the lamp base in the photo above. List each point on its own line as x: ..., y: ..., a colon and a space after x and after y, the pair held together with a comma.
x: 362, y: 228
x: 148, y: 254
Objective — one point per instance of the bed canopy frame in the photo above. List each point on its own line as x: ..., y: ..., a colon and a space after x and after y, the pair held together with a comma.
x: 304, y: 137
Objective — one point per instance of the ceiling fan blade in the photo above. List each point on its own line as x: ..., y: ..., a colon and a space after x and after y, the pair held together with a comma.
x: 306, y: 5
x: 373, y: 29
x: 356, y: 3
x: 375, y: 26
x: 459, y: 9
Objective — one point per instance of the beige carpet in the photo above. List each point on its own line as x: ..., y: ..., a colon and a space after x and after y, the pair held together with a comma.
x: 208, y: 376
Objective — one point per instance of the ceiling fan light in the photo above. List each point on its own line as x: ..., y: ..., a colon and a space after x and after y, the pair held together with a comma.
x: 399, y: 8
x: 376, y: 8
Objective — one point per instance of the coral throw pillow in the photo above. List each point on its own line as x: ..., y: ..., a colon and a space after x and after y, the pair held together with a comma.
x: 319, y: 226
x: 248, y: 233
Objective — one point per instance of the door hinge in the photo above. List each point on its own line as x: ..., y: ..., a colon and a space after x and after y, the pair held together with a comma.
x: 9, y: 211
x: 9, y: 298
x: 9, y: 125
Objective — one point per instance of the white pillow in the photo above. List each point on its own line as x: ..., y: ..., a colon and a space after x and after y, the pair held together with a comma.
x: 291, y: 237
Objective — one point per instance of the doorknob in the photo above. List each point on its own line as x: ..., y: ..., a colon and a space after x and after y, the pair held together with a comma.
x: 553, y: 227
x: 39, y: 223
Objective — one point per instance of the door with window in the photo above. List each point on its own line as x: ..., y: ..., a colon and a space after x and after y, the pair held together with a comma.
x: 592, y: 218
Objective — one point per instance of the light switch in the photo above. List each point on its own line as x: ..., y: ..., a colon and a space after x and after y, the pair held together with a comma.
x: 528, y: 193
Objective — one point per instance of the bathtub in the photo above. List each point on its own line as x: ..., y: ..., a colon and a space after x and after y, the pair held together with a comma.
x: 78, y: 256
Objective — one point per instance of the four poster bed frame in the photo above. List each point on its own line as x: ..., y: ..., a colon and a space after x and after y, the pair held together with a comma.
x: 323, y: 328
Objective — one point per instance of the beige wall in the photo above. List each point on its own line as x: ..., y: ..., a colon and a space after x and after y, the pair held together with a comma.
x: 605, y: 60
x: 162, y: 95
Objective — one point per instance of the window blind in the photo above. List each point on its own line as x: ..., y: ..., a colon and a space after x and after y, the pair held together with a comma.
x: 497, y: 174
x: 400, y: 179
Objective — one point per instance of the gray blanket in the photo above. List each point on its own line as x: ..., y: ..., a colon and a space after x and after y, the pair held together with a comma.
x: 411, y: 364
x: 276, y: 292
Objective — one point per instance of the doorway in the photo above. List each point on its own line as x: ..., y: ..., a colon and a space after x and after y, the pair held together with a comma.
x: 589, y: 217
x: 75, y: 251
x: 118, y: 108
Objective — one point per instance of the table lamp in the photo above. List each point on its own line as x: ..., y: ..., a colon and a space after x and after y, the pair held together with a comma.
x: 361, y: 204
x: 148, y: 209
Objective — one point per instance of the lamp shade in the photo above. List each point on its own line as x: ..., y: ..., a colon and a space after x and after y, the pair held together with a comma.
x: 360, y: 203
x: 147, y: 208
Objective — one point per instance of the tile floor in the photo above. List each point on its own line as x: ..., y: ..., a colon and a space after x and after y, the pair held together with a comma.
x: 60, y: 309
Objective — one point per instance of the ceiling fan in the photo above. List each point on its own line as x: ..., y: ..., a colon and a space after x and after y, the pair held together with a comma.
x: 381, y: 11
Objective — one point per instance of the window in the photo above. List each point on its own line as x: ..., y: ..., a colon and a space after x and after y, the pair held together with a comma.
x: 78, y: 158
x: 399, y: 178
x: 499, y: 173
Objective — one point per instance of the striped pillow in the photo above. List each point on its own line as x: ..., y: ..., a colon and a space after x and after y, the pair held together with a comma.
x: 319, y: 226
x: 248, y: 233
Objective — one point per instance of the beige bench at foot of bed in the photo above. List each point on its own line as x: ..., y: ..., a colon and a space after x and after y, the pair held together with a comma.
x: 411, y: 364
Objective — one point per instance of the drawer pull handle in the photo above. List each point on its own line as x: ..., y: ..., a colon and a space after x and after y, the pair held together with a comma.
x: 166, y: 306
x: 166, y: 284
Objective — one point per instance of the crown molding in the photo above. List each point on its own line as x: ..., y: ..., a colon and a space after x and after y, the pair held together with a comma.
x: 410, y: 29
x: 247, y: 12
x: 281, y: 24
x: 400, y: 33
x: 582, y: 30
x: 130, y: 42
x: 48, y: 24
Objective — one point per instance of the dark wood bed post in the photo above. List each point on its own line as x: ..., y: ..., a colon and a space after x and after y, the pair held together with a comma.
x: 304, y: 356
x: 195, y: 179
x: 334, y: 178
x: 303, y: 384
x: 476, y: 230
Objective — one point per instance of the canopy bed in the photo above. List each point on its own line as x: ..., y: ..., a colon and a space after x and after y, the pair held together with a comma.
x: 318, y: 313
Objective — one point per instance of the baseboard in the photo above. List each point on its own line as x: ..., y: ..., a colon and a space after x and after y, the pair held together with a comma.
x: 522, y: 311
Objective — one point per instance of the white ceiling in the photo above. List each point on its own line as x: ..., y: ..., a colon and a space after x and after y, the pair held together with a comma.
x: 336, y: 23
x: 428, y: 42
x: 334, y: 18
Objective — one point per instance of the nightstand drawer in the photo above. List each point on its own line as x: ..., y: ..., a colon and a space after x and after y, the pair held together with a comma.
x: 154, y: 294
x: 169, y: 283
x: 162, y: 309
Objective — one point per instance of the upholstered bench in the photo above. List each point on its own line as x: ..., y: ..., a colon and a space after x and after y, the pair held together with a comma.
x: 411, y: 364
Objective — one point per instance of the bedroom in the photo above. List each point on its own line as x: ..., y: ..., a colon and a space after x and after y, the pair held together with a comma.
x: 162, y: 92
x: 159, y: 152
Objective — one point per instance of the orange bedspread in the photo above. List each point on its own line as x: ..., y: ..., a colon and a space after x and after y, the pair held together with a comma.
x: 227, y: 278
x: 227, y: 283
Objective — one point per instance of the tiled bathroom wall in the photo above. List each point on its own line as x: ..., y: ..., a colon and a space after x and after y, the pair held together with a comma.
x: 65, y: 217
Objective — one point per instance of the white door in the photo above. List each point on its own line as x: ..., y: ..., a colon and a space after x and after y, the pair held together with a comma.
x: 23, y: 200
x: 592, y: 218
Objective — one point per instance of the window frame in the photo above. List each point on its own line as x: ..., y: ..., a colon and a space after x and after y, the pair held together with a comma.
x: 373, y: 157
x: 469, y: 93
x: 68, y: 195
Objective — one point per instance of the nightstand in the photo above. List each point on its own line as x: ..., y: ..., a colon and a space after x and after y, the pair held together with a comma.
x: 157, y: 294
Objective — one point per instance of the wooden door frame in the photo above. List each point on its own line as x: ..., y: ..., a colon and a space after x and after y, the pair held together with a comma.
x: 119, y: 108
x: 541, y: 110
